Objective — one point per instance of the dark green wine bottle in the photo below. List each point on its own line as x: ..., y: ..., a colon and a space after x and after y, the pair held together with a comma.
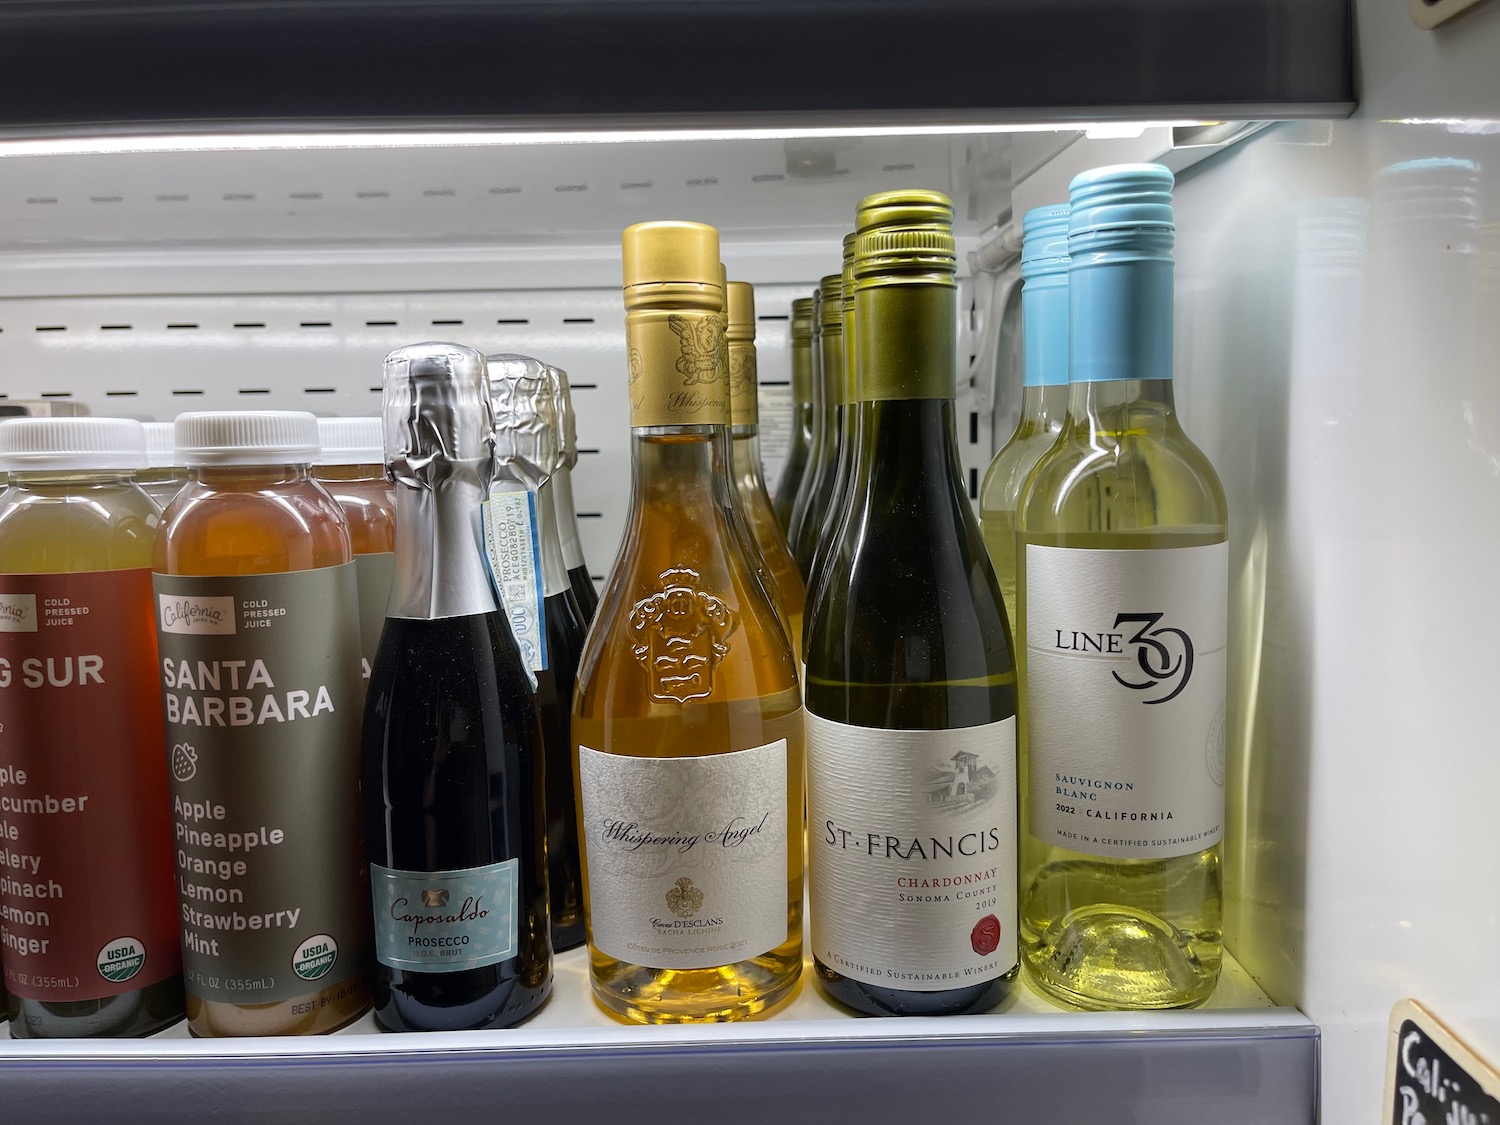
x: 830, y: 343
x: 911, y: 692
x: 797, y: 456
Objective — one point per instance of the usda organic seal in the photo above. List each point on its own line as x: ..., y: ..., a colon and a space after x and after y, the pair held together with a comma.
x: 121, y: 959
x: 315, y: 956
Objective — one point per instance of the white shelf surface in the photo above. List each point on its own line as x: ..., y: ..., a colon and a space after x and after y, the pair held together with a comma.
x: 1237, y: 1059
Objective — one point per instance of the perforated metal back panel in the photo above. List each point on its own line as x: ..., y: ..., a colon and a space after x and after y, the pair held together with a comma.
x: 154, y: 357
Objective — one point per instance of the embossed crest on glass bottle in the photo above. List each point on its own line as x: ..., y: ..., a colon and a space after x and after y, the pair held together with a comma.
x: 681, y: 634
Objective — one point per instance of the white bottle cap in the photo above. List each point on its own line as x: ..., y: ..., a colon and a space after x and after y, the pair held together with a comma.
x: 351, y: 441
x: 161, y: 445
x: 247, y: 437
x: 30, y: 445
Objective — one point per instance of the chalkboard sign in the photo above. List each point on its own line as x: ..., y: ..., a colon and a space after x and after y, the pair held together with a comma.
x: 1433, y: 1078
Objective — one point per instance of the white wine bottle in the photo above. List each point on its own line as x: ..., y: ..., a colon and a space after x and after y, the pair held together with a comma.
x: 1122, y: 631
x: 1044, y: 387
x: 808, y: 533
x: 797, y: 457
x: 911, y: 693
x: 687, y: 720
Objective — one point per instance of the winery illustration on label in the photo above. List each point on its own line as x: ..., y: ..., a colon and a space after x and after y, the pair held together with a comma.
x: 681, y: 633
x: 86, y: 904
x: 912, y: 838
x: 687, y: 857
x: 262, y: 754
x: 1126, y: 664
x: 443, y: 921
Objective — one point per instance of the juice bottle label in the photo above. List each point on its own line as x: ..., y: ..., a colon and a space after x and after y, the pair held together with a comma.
x: 86, y: 903
x: 260, y: 678
x: 1126, y: 657
x: 443, y: 921
x: 373, y: 573
x: 687, y: 857
x: 912, y: 848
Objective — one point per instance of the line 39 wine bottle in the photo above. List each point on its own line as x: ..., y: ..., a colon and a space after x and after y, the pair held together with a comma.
x: 910, y: 689
x: 1123, y: 619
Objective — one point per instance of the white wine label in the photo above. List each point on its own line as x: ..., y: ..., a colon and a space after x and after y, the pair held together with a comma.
x: 687, y: 857
x: 1125, y: 671
x: 514, y: 551
x: 912, y: 846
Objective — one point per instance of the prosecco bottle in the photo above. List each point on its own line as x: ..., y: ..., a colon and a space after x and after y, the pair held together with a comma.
x: 451, y: 751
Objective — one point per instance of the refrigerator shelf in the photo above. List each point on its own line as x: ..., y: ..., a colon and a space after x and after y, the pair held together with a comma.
x: 1237, y: 1060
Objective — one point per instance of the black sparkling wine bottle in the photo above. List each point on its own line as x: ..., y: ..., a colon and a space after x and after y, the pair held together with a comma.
x: 452, y: 765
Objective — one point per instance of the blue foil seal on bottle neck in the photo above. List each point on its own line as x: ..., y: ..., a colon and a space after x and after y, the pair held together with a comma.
x: 1120, y: 238
x: 1044, y: 295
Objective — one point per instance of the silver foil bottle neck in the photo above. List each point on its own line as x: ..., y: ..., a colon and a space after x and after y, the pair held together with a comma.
x: 567, y: 420
x: 527, y: 431
x: 439, y: 450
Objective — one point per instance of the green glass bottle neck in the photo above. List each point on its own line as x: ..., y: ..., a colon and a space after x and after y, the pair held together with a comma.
x: 746, y: 452
x: 1042, y: 407
x: 907, y: 339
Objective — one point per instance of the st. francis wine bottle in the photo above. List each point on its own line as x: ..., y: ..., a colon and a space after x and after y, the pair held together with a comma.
x: 910, y: 689
x: 452, y: 758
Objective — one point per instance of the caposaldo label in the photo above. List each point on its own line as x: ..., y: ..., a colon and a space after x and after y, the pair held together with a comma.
x: 86, y: 903
x: 263, y: 720
x: 912, y: 849
x: 443, y: 921
x: 1126, y: 654
x: 686, y: 856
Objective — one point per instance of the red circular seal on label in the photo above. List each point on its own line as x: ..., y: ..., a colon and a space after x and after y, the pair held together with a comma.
x: 985, y: 936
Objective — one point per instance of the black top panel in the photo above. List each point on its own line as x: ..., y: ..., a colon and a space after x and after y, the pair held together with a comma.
x: 633, y: 62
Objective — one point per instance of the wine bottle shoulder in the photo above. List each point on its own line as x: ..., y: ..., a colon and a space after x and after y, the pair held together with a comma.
x: 1006, y: 476
x: 1094, y: 480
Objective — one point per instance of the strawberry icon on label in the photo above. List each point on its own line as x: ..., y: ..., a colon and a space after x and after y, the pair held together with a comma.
x: 985, y: 936
x: 184, y: 762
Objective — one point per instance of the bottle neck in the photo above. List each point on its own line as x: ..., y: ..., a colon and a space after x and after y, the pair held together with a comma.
x: 567, y: 518
x: 1119, y: 318
x: 682, y: 470
x: 802, y: 372
x: 912, y: 440
x: 1117, y: 408
x: 554, y: 568
x: 63, y: 481
x: 248, y: 478
x: 907, y: 341
x: 835, y: 381
x: 748, y: 471
x: 744, y: 384
x: 439, y: 569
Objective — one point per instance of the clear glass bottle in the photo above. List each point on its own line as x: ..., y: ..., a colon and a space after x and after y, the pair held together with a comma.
x: 163, y: 477
x: 800, y: 449
x: 259, y: 636
x: 91, y: 937
x: 688, y: 718
x: 452, y: 756
x: 584, y: 590
x: 1122, y: 629
x: 1044, y: 387
x: 352, y: 469
x: 750, y: 483
x: 528, y: 453
x: 911, y: 692
x: 820, y: 496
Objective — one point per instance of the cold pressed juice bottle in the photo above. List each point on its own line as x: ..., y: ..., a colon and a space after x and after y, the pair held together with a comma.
x: 89, y: 933
x: 352, y: 469
x: 258, y: 622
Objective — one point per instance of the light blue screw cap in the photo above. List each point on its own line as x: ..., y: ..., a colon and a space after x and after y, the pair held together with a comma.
x: 1044, y: 295
x: 1120, y: 237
